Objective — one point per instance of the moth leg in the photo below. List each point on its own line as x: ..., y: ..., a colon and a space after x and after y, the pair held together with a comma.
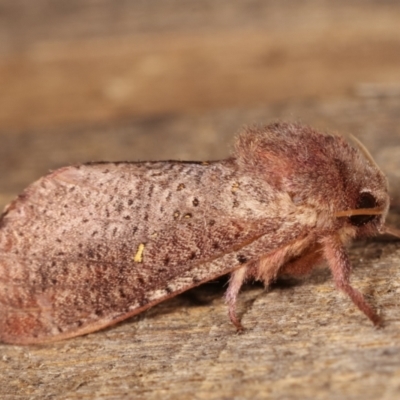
x: 265, y: 270
x: 340, y: 266
x: 304, y: 264
x: 269, y: 267
x: 235, y: 283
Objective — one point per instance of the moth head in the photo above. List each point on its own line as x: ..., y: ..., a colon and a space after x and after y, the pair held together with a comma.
x: 370, y: 203
x: 368, y: 216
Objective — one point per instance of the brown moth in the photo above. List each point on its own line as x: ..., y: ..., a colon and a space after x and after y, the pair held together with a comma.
x: 90, y: 245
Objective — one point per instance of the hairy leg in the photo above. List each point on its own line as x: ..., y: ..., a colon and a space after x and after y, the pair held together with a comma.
x: 340, y: 266
x: 235, y: 283
x: 265, y: 270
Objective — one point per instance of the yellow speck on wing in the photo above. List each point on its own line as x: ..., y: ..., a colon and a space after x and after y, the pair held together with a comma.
x: 139, y: 254
x: 235, y: 187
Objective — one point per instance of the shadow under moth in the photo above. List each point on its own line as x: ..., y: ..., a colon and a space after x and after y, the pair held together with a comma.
x: 90, y: 245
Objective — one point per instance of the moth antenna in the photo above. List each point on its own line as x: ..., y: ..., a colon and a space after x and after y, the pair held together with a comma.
x: 364, y: 150
x: 359, y: 211
x: 391, y: 231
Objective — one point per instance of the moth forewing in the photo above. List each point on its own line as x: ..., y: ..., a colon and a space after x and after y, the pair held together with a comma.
x: 97, y: 249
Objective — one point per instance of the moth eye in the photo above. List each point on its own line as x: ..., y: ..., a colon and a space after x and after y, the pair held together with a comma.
x: 366, y: 200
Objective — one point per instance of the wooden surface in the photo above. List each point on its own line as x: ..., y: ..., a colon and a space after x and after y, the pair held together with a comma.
x: 334, y: 65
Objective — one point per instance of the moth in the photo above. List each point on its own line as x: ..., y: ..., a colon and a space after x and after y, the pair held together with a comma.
x: 93, y: 244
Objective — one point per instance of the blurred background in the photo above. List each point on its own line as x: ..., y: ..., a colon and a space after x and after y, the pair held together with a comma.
x: 84, y: 80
